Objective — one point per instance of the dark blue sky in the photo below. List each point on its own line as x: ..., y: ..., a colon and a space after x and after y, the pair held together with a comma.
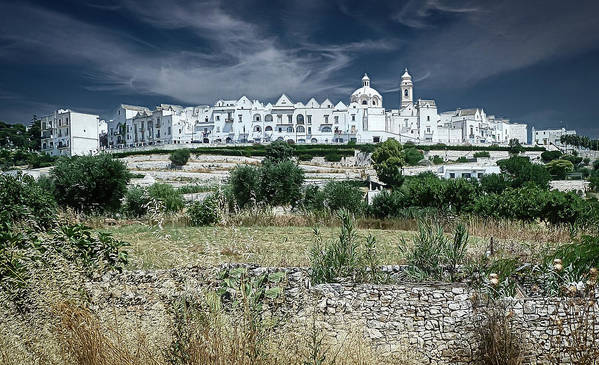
x: 530, y: 61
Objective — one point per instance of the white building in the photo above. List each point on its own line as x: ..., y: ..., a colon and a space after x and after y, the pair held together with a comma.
x: 544, y: 137
x: 68, y: 133
x: 363, y: 119
x: 467, y: 171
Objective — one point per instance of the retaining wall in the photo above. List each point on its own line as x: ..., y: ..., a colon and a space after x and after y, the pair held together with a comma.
x: 436, y: 319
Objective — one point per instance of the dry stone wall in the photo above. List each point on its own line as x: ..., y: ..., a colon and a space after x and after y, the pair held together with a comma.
x: 437, y: 319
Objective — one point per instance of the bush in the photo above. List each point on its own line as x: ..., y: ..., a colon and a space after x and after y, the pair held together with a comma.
x: 482, y: 154
x: 413, y: 156
x: 461, y: 159
x: 180, y: 157
x: 304, y: 157
x: 550, y: 155
x: 437, y: 160
x: 596, y: 165
x: 279, y: 151
x: 313, y: 198
x: 205, y: 212
x: 332, y: 157
x: 136, y: 202
x: 432, y: 255
x: 386, y: 204
x: 23, y: 200
x: 522, y: 171
x: 343, y: 195
x: 575, y: 160
x: 559, y: 168
x: 170, y: 199
x: 494, y: 183
x: 281, y: 183
x: 344, y: 257
x: 90, y: 183
x: 245, y: 182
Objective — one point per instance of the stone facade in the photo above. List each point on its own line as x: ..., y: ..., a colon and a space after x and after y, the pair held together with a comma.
x: 436, y: 319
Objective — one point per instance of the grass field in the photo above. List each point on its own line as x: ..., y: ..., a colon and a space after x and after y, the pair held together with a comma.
x: 173, y: 246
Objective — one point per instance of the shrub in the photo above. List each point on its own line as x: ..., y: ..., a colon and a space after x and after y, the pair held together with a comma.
x: 559, y: 168
x: 343, y: 195
x: 245, y: 182
x: 169, y: 197
x: 522, y: 171
x: 575, y: 160
x: 136, y: 202
x: 89, y: 183
x: 461, y: 159
x: 180, y: 157
x: 386, y: 204
x: 550, y: 155
x: 413, y: 156
x: 313, y: 198
x: 305, y: 157
x: 596, y: 165
x: 367, y: 148
x: 586, y: 161
x: 432, y: 255
x: 23, y: 200
x: 343, y: 257
x: 205, y: 212
x: 494, y: 183
x: 281, y: 183
x: 332, y: 157
x: 279, y: 151
x: 482, y: 154
x: 437, y: 160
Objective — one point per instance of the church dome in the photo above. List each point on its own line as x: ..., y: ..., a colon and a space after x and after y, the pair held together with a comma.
x: 366, y: 95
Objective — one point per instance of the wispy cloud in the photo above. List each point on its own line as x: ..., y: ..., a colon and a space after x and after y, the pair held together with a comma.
x: 243, y: 59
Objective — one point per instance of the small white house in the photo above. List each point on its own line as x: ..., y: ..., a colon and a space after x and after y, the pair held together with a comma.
x: 68, y: 133
x: 467, y: 171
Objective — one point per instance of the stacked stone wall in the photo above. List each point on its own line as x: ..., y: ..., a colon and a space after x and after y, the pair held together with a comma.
x: 437, y: 319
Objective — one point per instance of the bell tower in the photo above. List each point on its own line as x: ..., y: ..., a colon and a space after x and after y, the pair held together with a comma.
x: 406, y: 88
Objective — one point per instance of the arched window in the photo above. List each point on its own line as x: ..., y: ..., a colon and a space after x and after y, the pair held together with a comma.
x: 405, y: 93
x: 325, y: 129
x: 268, y: 118
x: 206, y: 119
x: 268, y: 128
x: 300, y: 129
x: 257, y: 128
x: 228, y: 140
x: 313, y: 140
x: 300, y: 119
x: 256, y: 117
x: 364, y: 102
x: 374, y: 102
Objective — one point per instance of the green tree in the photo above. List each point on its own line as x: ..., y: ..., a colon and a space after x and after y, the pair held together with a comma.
x: 388, y: 159
x: 278, y: 151
x: 281, y: 183
x: 180, y: 157
x: 559, y: 168
x: 522, y: 171
x: 23, y: 200
x: 343, y: 195
x: 245, y: 182
x: 515, y: 147
x: 547, y: 156
x: 90, y: 183
x: 412, y: 156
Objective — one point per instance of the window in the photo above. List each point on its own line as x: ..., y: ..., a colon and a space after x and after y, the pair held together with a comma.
x: 466, y: 175
x: 218, y: 117
x: 299, y: 119
x: 280, y: 129
x: 309, y: 119
x: 364, y: 102
x: 326, y: 129
x: 336, y: 119
x: 279, y: 118
x: 290, y: 118
x: 405, y: 93
x: 326, y: 118
x: 353, y: 117
x: 428, y: 118
x: 290, y: 129
x: 206, y: 119
x: 376, y: 139
x: 268, y: 129
x: 309, y: 130
x: 373, y: 103
x: 301, y: 129
x: 480, y: 175
x: 452, y: 175
x: 428, y: 129
x: 268, y: 118
x: 240, y: 118
x: 169, y: 130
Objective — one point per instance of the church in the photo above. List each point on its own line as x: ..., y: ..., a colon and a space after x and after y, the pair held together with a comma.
x: 363, y: 119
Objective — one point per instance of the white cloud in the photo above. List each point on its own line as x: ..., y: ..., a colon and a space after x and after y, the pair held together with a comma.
x: 242, y: 58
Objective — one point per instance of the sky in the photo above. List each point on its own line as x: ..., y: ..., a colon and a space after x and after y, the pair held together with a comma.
x: 530, y: 61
